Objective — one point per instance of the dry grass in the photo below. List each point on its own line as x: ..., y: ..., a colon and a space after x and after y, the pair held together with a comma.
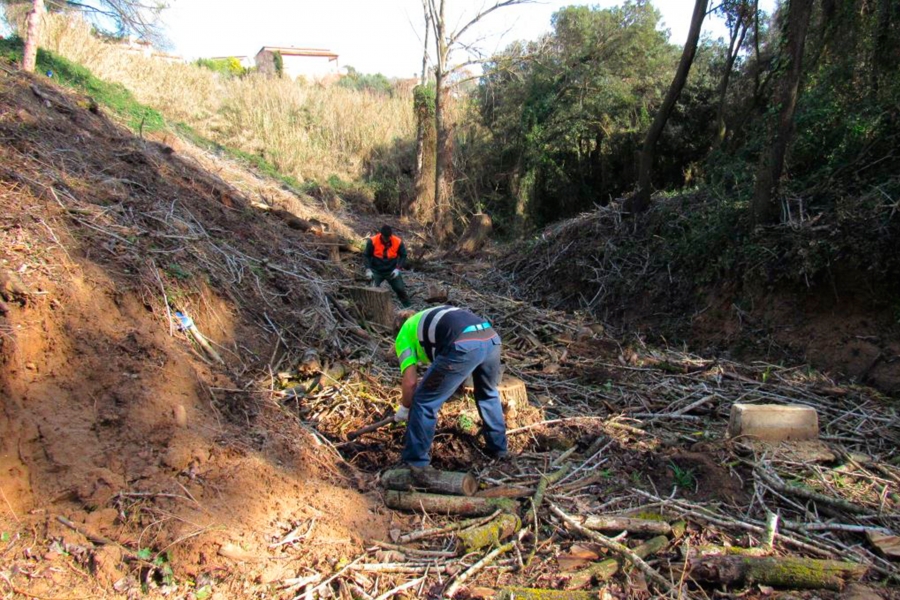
x: 310, y: 132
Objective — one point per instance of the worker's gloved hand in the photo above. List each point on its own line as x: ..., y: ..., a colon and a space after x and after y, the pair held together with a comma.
x: 369, y: 274
x: 401, y: 415
x: 395, y: 273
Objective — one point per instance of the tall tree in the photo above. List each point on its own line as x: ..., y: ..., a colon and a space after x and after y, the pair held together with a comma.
x: 640, y: 200
x: 738, y: 17
x: 447, y: 40
x: 771, y: 163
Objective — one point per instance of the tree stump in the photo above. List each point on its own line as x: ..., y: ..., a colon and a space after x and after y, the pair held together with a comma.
x: 436, y: 293
x: 477, y: 233
x: 330, y: 247
x: 513, y: 395
x: 372, y: 304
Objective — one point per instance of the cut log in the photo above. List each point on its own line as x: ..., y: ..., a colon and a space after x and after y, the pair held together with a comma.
x: 615, y: 524
x: 489, y: 534
x: 448, y: 505
x: 605, y: 569
x: 440, y: 482
x: 372, y: 304
x: 477, y: 233
x: 520, y: 593
x: 779, y: 571
x: 513, y: 395
x: 506, y: 491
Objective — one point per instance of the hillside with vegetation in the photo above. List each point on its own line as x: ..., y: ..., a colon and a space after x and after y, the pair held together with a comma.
x: 183, y: 362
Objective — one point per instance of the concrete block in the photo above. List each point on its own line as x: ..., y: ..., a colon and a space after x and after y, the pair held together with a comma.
x: 774, y: 422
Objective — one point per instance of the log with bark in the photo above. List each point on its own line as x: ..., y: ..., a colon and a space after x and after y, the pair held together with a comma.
x: 614, y: 524
x: 505, y: 491
x: 492, y: 533
x: 603, y: 570
x: 430, y: 480
x: 448, y: 505
x: 372, y: 304
x: 778, y: 571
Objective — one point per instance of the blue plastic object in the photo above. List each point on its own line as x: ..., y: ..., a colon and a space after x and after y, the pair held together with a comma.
x: 184, y: 321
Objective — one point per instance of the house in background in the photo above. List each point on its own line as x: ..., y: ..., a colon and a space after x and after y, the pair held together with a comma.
x: 311, y: 63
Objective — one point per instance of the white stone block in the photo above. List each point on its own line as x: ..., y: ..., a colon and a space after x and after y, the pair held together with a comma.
x: 774, y: 422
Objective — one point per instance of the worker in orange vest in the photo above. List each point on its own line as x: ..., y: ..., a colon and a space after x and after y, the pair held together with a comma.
x: 385, y: 255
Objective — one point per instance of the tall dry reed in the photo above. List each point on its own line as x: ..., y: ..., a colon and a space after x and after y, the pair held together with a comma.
x: 308, y: 131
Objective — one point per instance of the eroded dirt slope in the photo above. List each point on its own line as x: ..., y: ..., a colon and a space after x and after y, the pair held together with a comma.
x: 118, y: 422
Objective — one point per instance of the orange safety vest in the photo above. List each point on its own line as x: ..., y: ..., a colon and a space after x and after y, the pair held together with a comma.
x: 385, y: 252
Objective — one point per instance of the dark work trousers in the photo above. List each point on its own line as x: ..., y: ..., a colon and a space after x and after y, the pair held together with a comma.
x: 397, y: 284
x: 481, y: 360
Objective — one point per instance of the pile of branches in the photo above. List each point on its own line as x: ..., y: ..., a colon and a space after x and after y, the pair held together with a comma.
x: 628, y: 481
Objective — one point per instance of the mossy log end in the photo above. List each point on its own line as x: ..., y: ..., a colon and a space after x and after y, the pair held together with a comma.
x: 603, y: 570
x: 491, y: 533
x: 448, y: 505
x: 520, y: 593
x: 616, y: 524
x: 440, y: 482
x: 785, y: 572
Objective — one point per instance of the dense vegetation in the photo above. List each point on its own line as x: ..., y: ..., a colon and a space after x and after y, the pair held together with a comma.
x: 557, y: 121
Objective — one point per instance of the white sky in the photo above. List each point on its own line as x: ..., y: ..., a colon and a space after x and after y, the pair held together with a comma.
x: 373, y: 36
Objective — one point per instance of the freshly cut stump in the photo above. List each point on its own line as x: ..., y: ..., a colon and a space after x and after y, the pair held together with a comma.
x: 440, y: 482
x: 513, y: 395
x: 372, y: 304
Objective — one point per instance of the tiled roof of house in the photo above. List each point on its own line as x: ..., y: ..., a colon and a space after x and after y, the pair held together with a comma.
x: 292, y: 51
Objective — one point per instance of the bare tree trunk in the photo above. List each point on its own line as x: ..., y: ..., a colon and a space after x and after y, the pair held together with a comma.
x: 640, y: 200
x: 736, y: 40
x: 441, y: 135
x: 424, y: 123
x: 771, y: 163
x: 421, y: 207
x: 32, y: 36
x: 880, y: 55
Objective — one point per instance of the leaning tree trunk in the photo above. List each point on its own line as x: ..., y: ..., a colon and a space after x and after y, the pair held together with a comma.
x: 736, y: 41
x: 640, y: 200
x: 32, y: 36
x: 771, y: 163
